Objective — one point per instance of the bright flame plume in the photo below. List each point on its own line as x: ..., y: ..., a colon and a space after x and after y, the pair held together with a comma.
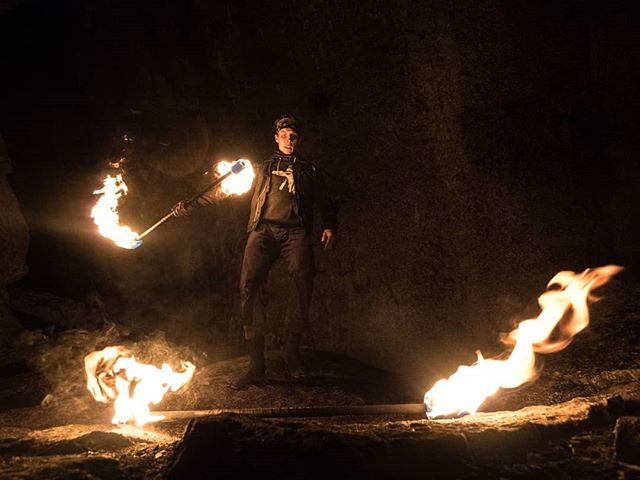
x: 564, y: 314
x: 235, y: 184
x: 105, y: 213
x: 114, y: 374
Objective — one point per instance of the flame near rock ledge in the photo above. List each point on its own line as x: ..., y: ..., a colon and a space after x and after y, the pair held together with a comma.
x: 564, y: 314
x: 114, y: 374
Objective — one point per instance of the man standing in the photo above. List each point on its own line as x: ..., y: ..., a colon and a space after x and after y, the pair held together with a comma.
x: 286, y: 189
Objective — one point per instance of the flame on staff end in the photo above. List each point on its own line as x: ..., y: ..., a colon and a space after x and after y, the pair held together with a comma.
x: 114, y: 374
x: 564, y: 314
x: 235, y: 184
x: 105, y: 213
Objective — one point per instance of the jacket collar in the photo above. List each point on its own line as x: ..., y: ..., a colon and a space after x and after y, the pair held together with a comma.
x: 278, y: 155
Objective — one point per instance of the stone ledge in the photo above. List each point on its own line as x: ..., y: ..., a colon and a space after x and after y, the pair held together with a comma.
x: 233, y: 445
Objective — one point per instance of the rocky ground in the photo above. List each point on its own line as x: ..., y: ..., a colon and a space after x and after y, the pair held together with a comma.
x: 580, y: 419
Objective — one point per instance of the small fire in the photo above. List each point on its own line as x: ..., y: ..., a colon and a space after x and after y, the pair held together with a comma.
x: 105, y: 213
x: 237, y: 183
x: 114, y: 374
x: 564, y: 314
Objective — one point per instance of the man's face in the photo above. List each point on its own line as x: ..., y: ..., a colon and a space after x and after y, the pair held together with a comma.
x: 287, y: 140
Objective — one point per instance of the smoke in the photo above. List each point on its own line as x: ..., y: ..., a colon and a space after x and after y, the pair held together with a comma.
x: 60, y: 359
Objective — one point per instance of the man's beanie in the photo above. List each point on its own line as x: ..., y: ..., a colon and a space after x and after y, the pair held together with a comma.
x: 287, y: 121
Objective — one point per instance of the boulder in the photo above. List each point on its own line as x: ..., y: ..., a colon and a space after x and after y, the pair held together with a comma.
x: 379, y: 447
x: 627, y: 440
x: 14, y: 241
x: 12, y: 334
x: 14, y: 234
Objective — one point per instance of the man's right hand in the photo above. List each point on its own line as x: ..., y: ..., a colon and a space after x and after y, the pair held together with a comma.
x: 328, y: 237
x: 179, y: 209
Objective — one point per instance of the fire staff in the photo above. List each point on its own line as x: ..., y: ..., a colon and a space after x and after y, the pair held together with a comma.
x: 280, y: 224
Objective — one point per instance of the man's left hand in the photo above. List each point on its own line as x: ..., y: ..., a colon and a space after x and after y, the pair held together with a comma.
x: 327, y: 238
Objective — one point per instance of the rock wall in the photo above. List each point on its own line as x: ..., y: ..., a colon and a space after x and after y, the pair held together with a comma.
x: 14, y: 241
x: 474, y: 150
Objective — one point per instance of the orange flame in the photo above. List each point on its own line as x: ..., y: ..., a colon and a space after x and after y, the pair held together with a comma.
x: 105, y: 213
x: 564, y: 314
x: 113, y: 374
x: 235, y: 184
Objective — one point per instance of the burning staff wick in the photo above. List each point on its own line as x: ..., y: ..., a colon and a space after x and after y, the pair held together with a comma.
x: 105, y: 213
x: 114, y: 374
x: 235, y: 169
x: 235, y: 179
x: 564, y: 314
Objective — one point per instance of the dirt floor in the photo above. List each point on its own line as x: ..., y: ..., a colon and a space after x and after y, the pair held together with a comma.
x: 578, y: 420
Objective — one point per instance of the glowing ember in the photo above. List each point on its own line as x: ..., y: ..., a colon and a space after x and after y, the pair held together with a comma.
x: 238, y: 183
x: 105, y: 213
x: 564, y: 314
x: 113, y: 374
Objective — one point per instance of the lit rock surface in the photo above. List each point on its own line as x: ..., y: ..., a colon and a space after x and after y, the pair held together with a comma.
x: 79, y: 451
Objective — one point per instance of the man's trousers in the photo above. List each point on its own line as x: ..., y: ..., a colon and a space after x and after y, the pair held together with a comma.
x: 264, y: 246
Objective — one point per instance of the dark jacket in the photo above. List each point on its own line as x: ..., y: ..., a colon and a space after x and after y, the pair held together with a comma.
x: 310, y: 189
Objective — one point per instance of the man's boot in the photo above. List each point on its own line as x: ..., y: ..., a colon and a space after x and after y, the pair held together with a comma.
x: 255, y: 374
x: 291, y: 353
